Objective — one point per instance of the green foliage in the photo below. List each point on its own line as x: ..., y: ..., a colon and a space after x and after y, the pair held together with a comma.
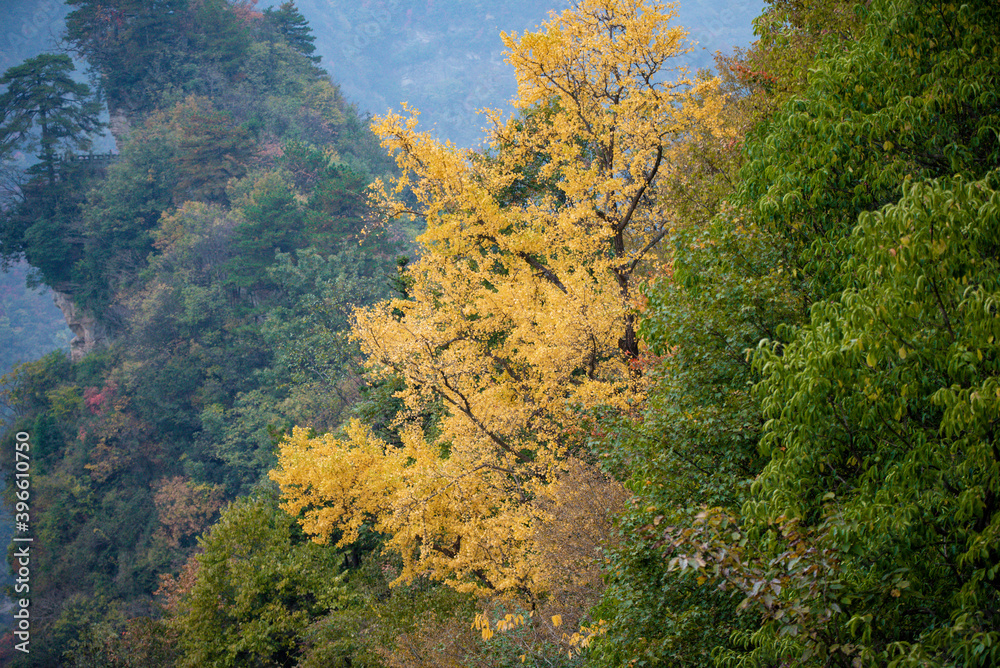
x: 792, y: 36
x: 419, y: 624
x: 122, y: 210
x: 692, y: 444
x: 913, y: 97
x: 43, y: 107
x: 145, y: 50
x: 820, y: 582
x: 882, y: 432
x: 309, y: 336
x: 279, y: 71
x: 115, y: 641
x: 259, y: 585
x: 211, y: 150
x: 26, y: 387
x: 271, y: 222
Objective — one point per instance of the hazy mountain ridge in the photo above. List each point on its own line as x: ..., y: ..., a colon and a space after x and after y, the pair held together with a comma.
x: 445, y: 57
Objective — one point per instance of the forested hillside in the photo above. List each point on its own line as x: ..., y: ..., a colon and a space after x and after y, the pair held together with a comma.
x: 216, y: 258
x: 682, y: 369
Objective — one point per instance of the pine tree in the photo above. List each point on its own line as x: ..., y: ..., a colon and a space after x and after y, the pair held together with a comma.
x: 42, y: 96
x: 294, y: 28
x: 43, y: 108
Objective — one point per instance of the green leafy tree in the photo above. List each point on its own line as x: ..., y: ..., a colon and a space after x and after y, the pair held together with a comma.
x: 107, y: 35
x: 842, y: 143
x: 904, y: 100
x: 188, y: 153
x: 148, y: 52
x: 271, y: 222
x: 260, y: 583
x: 211, y: 149
x: 882, y: 433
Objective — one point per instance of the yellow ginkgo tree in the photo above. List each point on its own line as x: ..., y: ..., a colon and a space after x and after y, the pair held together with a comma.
x: 518, y: 319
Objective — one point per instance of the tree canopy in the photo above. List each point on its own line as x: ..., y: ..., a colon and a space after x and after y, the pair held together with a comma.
x: 517, y: 317
x: 861, y: 462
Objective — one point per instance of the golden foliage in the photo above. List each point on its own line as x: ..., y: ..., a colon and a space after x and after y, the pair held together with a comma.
x: 537, y: 635
x: 518, y: 315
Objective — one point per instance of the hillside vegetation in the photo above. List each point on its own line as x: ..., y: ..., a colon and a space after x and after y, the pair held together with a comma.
x: 683, y: 369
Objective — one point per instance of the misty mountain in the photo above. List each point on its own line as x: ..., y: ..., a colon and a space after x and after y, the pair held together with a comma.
x: 445, y: 57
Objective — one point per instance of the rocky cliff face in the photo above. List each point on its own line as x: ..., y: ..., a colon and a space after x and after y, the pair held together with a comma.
x: 120, y: 126
x: 88, y: 332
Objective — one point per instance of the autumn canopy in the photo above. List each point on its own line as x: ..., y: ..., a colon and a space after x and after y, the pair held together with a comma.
x: 517, y: 322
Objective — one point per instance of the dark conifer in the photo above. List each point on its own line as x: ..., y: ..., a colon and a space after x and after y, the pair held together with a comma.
x: 43, y: 107
x: 294, y: 28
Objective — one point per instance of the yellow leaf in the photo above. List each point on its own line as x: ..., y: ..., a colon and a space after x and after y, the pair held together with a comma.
x: 556, y: 620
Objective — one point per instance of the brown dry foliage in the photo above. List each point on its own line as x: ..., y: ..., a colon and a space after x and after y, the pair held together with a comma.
x: 185, y: 508
x: 577, y: 529
x: 448, y: 642
x: 173, y: 588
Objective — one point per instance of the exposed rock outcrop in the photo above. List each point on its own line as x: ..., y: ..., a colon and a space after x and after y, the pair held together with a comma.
x: 89, y: 332
x: 120, y: 126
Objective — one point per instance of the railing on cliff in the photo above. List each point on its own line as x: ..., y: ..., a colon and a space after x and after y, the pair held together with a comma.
x: 95, y: 159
